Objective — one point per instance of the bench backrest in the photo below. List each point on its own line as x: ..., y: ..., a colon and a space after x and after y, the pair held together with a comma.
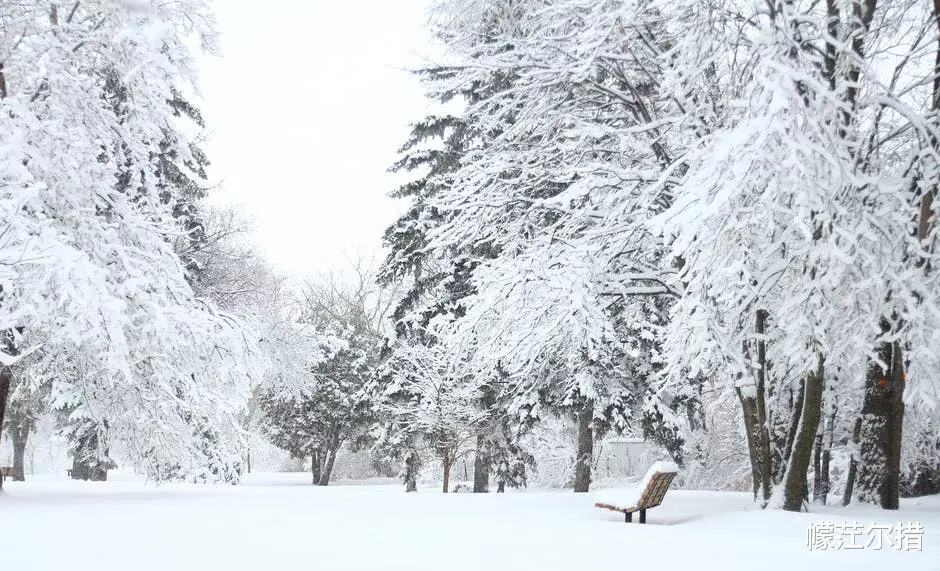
x: 6, y: 470
x: 656, y: 490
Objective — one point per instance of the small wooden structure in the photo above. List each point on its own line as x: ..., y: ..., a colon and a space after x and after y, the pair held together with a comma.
x: 6, y: 472
x: 651, y: 493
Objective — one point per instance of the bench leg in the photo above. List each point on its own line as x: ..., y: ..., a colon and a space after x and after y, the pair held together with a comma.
x: 628, y: 517
x: 642, y: 516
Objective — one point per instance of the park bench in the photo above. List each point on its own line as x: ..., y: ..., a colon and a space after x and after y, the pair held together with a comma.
x: 6, y: 472
x: 648, y: 494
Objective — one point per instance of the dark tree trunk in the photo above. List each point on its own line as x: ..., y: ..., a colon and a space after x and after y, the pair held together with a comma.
x: 882, y: 415
x: 751, y: 431
x: 761, y: 403
x: 929, y: 192
x: 412, y: 465
x: 825, y: 483
x: 779, y: 429
x: 818, y: 495
x: 824, y: 480
x: 500, y: 487
x: 758, y: 443
x: 3, y: 83
x: 582, y: 467
x: 19, y: 434
x: 328, y: 467
x: 448, y: 462
x: 6, y: 377
x: 853, y: 464
x: 481, y: 467
x: 802, y: 450
x: 795, y: 416
x: 891, y: 499
x: 315, y: 467
x: 482, y: 463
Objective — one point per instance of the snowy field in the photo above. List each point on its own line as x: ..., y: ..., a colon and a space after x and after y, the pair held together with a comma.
x: 278, y: 522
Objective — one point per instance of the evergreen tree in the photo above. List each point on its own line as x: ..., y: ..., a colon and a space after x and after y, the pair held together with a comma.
x: 333, y: 411
x: 332, y: 405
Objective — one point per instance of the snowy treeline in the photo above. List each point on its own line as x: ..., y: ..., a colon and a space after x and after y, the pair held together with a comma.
x: 652, y: 211
x: 130, y: 312
x: 709, y: 224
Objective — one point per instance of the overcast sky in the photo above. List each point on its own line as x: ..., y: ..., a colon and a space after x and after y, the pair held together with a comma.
x: 307, y: 107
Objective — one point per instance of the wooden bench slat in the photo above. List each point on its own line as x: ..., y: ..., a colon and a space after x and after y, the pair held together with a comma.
x: 650, y: 497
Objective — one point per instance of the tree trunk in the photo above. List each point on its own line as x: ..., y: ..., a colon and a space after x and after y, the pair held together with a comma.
x: 825, y: 484
x: 882, y: 416
x: 3, y: 83
x: 817, y: 465
x: 924, y: 222
x: 751, y: 431
x: 796, y: 414
x: 761, y: 402
x: 758, y: 442
x: 412, y: 465
x: 6, y: 377
x: 801, y: 452
x: 582, y: 467
x: 779, y: 429
x: 315, y: 467
x: 448, y: 462
x: 824, y: 481
x: 853, y: 464
x: 481, y: 467
x: 19, y: 434
x: 328, y: 468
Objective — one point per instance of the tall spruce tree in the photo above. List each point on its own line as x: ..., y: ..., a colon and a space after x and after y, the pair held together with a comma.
x: 437, y: 282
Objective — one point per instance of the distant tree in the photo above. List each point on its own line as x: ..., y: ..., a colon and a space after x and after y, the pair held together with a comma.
x: 90, y: 450
x: 430, y: 405
x: 316, y: 422
x: 330, y: 405
x: 436, y: 282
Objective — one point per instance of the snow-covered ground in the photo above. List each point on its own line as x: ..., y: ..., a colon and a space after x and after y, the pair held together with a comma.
x: 279, y: 522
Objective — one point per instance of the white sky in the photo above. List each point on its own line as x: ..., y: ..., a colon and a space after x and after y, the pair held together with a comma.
x: 307, y: 107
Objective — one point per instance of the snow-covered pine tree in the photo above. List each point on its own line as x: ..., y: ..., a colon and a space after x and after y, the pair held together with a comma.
x: 560, y: 202
x: 438, y: 281
x: 333, y: 406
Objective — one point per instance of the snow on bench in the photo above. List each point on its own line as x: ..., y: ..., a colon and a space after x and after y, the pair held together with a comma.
x: 648, y: 494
